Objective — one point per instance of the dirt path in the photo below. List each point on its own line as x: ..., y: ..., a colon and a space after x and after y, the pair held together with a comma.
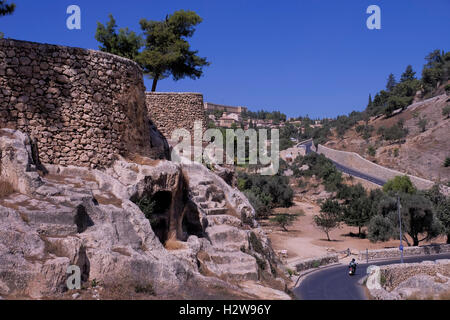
x: 304, y: 240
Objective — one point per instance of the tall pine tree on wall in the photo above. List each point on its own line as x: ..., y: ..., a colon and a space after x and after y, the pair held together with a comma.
x: 167, y: 51
x: 124, y: 43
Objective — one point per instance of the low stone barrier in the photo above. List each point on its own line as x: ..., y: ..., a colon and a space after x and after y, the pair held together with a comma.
x: 409, y: 280
x: 407, y: 251
x: 316, y: 262
x: 395, y: 274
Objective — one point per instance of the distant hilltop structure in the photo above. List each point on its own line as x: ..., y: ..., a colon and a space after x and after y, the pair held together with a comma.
x: 229, y: 109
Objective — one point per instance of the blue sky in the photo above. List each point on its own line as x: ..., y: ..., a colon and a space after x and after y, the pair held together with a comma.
x: 300, y: 57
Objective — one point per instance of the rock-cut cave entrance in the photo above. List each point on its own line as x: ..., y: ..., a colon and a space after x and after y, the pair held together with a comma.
x: 159, y: 219
x: 169, y: 219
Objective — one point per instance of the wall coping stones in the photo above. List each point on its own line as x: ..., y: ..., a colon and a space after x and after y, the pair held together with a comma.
x: 407, y: 251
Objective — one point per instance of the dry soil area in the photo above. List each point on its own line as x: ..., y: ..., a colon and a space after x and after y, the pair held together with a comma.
x: 304, y: 240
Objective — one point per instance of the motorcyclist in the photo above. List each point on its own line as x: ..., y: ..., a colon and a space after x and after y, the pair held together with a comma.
x: 353, y: 264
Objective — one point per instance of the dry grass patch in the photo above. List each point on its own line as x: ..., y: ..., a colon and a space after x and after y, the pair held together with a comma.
x: 137, y: 158
x: 6, y: 189
x: 122, y: 251
x: 24, y: 217
x: 108, y: 199
x: 173, y: 244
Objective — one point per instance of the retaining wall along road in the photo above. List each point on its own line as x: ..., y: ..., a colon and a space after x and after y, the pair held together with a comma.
x: 316, y: 262
x: 354, y: 161
x: 395, y: 274
x: 407, y: 251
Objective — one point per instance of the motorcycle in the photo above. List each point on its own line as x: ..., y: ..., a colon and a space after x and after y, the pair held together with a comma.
x: 352, y: 270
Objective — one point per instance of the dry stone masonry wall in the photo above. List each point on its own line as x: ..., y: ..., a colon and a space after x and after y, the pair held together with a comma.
x: 397, y: 273
x: 407, y: 251
x: 83, y: 107
x: 176, y: 110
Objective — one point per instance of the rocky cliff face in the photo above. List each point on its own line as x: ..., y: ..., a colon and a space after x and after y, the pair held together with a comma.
x: 150, y: 224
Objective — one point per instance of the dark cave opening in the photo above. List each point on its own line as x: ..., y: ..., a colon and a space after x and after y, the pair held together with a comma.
x: 159, y: 218
x: 191, y: 224
x: 168, y: 219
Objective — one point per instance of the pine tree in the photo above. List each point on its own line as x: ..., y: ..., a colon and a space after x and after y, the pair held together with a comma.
x: 125, y: 43
x: 391, y: 83
x: 167, y: 52
x: 408, y: 75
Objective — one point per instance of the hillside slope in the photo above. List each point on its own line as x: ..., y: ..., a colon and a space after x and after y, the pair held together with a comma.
x: 420, y: 153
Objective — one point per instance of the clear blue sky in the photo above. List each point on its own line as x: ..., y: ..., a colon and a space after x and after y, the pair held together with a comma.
x: 300, y: 57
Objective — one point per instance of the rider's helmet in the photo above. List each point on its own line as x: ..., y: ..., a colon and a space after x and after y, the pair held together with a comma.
x: 353, y: 260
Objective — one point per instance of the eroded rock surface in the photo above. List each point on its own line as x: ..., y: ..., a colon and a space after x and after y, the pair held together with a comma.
x: 197, y: 227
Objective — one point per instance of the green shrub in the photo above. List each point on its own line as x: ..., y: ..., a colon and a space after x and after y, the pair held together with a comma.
x: 365, y: 131
x: 256, y: 244
x: 147, y: 289
x: 396, y: 152
x: 260, y: 262
x: 400, y: 184
x: 447, y: 89
x: 266, y: 192
x: 262, y: 209
x: 302, y: 183
x: 284, y: 220
x: 422, y: 124
x: 371, y: 151
x: 321, y: 167
x: 446, y: 111
x: 396, y: 102
x: 396, y: 132
x: 447, y: 162
x: 383, y: 279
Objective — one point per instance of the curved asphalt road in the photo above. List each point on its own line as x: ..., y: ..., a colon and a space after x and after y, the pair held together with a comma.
x: 334, y: 283
x: 347, y: 170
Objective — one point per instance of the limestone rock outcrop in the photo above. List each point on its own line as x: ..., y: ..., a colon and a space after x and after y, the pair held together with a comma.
x: 153, y: 223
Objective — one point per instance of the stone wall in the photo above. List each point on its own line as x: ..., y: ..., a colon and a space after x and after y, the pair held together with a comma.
x: 176, y: 110
x: 395, y: 274
x: 316, y: 262
x: 407, y: 251
x: 83, y: 107
x: 412, y: 281
x: 356, y: 162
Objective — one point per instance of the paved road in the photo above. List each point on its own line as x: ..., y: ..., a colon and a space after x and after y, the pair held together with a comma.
x: 334, y: 283
x: 358, y: 174
x: 347, y: 170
